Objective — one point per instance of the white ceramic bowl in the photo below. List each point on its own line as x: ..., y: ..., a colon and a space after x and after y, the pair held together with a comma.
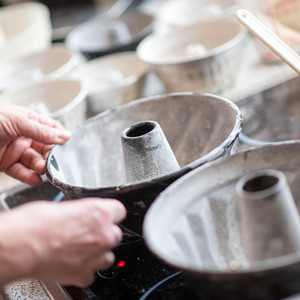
x: 175, y: 13
x: 63, y: 100
x: 112, y: 80
x: 205, y: 56
x: 24, y: 29
x: 50, y: 64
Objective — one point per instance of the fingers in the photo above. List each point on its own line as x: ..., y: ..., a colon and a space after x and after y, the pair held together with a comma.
x: 18, y: 157
x: 18, y: 121
x: 118, y: 234
x: 114, y: 208
x: 42, y: 148
x: 56, y: 130
x: 85, y: 275
x: 44, y: 120
x: 42, y: 129
x: 113, y: 237
x: 13, y: 152
x: 44, y: 133
x: 102, y: 217
x: 106, y: 260
x: 98, y: 255
x: 33, y: 160
x: 19, y: 172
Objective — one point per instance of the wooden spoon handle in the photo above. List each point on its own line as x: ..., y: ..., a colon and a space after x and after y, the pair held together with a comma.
x: 269, y: 39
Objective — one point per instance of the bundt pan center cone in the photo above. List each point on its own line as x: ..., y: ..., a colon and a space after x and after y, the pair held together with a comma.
x: 198, y: 127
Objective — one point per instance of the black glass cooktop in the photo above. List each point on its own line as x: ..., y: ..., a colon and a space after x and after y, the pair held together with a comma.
x: 136, y: 274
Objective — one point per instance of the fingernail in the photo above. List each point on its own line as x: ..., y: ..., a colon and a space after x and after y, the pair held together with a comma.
x: 64, y: 134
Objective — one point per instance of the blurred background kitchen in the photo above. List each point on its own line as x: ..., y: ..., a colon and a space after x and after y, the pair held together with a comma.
x: 74, y: 59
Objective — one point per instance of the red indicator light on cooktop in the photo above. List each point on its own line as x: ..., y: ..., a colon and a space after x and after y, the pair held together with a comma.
x: 121, y: 264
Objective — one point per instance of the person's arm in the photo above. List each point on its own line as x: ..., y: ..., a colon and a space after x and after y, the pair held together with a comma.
x: 25, y: 141
x: 59, y: 242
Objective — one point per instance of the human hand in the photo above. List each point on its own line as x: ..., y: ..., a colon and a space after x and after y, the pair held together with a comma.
x: 59, y: 242
x: 25, y: 141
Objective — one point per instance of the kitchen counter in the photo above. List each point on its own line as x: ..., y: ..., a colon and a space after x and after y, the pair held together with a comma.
x: 25, y: 289
x: 32, y: 289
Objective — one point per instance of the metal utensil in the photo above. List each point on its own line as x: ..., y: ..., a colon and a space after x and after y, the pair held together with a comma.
x: 269, y: 38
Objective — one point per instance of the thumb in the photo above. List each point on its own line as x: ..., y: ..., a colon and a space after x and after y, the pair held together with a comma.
x: 43, y: 133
